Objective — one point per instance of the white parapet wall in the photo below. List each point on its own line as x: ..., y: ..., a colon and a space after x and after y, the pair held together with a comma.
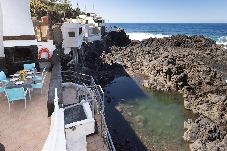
x: 56, y: 140
x: 88, y: 124
x: 1, y: 33
x: 49, y: 45
x: 76, y: 132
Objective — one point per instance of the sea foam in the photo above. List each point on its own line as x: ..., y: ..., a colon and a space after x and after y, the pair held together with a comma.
x: 222, y: 41
x: 142, y: 36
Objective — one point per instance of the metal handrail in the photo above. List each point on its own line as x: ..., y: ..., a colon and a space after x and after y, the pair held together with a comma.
x: 95, y: 92
x: 106, y: 133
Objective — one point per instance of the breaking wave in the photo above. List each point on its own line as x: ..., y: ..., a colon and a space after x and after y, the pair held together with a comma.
x: 222, y: 41
x: 142, y: 36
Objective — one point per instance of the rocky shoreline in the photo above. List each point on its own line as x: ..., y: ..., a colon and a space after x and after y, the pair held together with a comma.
x: 193, y: 66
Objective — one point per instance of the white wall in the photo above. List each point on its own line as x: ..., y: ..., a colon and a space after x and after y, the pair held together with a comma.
x: 17, y: 18
x: 56, y: 139
x: 70, y: 42
x: 1, y: 33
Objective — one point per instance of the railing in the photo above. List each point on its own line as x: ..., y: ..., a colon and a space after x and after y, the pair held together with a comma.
x: 91, y: 92
x: 96, y: 93
x: 75, y: 77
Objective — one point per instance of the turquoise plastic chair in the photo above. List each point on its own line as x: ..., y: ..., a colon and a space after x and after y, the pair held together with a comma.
x: 39, y: 78
x: 16, y: 94
x: 3, y: 78
x: 39, y: 85
x: 2, y: 89
x: 29, y: 66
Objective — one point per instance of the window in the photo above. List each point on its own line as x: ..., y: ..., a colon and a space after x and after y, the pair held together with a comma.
x: 71, y: 34
x: 80, y: 30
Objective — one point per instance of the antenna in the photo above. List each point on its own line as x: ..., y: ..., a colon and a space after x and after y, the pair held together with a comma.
x: 93, y: 7
x: 85, y: 9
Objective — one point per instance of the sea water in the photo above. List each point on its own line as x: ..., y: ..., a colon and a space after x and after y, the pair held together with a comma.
x: 140, y: 31
x: 143, y: 118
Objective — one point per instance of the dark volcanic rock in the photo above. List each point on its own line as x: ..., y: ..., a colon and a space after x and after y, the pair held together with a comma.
x: 117, y: 38
x: 191, y: 66
x: 205, y: 134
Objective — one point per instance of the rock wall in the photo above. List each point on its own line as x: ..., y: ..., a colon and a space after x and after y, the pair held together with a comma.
x: 116, y: 38
x: 191, y: 66
x: 55, y: 82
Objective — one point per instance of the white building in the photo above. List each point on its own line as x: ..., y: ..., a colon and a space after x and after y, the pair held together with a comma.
x: 72, y: 36
x: 91, y: 33
x: 17, y: 22
x: 1, y: 33
x: 94, y: 26
x: 16, y: 27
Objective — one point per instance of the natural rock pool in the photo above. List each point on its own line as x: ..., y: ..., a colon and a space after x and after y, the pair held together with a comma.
x: 139, y: 119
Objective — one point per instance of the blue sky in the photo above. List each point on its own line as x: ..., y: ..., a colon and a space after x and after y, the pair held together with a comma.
x: 157, y: 11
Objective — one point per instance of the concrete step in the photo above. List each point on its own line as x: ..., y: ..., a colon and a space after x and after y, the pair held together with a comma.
x: 76, y: 140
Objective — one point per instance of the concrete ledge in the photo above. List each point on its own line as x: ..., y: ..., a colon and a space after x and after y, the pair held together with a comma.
x: 87, y: 125
x: 22, y: 37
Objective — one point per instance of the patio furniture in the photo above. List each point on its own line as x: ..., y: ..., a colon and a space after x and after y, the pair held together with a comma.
x: 16, y: 94
x: 3, y: 78
x: 29, y: 66
x: 39, y: 85
x: 39, y: 78
x: 13, y: 83
x: 2, y: 89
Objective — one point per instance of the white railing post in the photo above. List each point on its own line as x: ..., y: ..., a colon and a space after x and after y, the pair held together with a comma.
x: 56, y: 98
x: 56, y: 108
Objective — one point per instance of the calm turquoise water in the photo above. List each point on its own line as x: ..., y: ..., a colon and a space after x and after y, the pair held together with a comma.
x: 156, y: 119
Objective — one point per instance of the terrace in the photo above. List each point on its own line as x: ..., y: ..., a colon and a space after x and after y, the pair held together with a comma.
x: 32, y: 129
x: 25, y: 129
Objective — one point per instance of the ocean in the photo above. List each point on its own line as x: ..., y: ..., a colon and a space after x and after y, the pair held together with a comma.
x: 140, y: 31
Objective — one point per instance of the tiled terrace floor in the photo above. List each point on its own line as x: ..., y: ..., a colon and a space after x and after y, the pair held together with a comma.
x: 25, y: 129
x: 95, y: 142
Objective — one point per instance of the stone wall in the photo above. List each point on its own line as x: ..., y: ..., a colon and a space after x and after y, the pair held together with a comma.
x: 55, y: 82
